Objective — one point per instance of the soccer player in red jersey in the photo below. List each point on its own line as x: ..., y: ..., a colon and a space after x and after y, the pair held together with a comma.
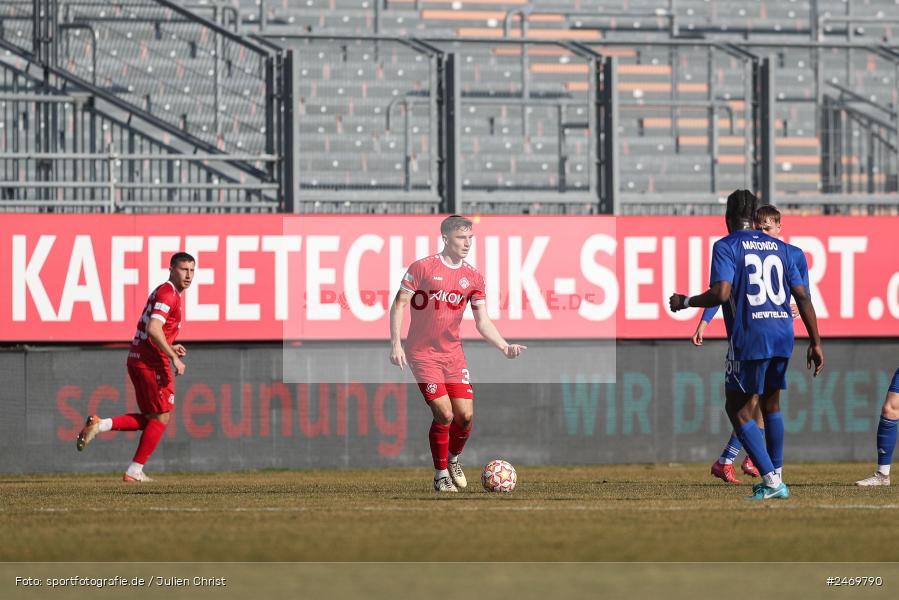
x: 151, y: 359
x: 438, y: 288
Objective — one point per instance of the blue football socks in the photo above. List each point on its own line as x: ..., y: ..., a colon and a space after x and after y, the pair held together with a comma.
x: 886, y: 440
x: 731, y: 450
x: 774, y: 438
x: 754, y: 441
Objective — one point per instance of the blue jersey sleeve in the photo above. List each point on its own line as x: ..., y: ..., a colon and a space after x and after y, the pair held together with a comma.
x: 801, y: 266
x: 709, y: 313
x: 724, y: 263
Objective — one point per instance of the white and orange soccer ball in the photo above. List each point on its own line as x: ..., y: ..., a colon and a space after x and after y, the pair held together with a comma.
x: 499, y: 476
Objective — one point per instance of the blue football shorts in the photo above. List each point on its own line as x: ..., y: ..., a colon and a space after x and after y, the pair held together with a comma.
x: 756, y: 376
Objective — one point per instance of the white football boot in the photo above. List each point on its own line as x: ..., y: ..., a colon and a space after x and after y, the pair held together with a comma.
x: 444, y: 485
x: 456, y: 474
x: 139, y: 477
x: 874, y: 480
x: 88, y: 432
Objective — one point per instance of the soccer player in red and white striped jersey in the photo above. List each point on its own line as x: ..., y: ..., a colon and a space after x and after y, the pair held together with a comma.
x: 438, y: 288
x: 152, y: 355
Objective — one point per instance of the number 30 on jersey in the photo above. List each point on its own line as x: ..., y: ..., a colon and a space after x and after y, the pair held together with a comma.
x: 762, y: 275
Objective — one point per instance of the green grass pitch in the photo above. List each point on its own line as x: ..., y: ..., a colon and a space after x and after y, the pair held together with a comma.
x: 577, y: 513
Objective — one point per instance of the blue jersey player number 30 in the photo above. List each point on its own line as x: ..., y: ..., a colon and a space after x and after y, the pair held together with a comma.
x: 757, y: 314
x: 754, y: 276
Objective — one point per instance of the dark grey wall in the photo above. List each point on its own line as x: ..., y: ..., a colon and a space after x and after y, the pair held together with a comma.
x: 233, y: 412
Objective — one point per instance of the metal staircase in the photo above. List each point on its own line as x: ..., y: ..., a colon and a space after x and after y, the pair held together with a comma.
x: 138, y: 106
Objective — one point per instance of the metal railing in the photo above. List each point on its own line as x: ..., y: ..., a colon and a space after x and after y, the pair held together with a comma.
x: 62, y: 151
x: 583, y: 20
x: 860, y: 144
x: 16, y: 23
x: 185, y: 70
x: 417, y: 173
x: 566, y: 155
x: 821, y: 28
x: 503, y: 105
x: 165, y: 73
x: 115, y: 188
x: 348, y: 91
x: 808, y: 20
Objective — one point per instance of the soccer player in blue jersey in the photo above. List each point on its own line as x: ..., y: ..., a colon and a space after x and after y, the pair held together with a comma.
x: 886, y: 436
x: 753, y: 275
x: 767, y: 219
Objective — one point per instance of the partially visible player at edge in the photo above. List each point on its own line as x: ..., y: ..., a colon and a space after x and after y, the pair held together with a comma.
x: 438, y: 288
x: 767, y: 219
x: 151, y: 357
x: 753, y: 275
x: 886, y: 436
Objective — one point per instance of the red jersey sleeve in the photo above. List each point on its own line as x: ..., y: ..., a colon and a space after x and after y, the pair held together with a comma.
x: 166, y: 299
x: 412, y: 278
x: 478, y: 295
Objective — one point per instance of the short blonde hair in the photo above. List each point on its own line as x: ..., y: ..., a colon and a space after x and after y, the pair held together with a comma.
x: 454, y: 222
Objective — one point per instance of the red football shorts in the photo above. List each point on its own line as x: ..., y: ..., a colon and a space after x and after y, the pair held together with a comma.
x: 154, y: 389
x: 436, y: 379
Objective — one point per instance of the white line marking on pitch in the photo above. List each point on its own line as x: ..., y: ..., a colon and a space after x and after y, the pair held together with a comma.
x: 533, y: 508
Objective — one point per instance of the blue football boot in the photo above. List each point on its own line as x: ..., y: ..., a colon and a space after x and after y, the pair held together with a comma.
x: 763, y: 492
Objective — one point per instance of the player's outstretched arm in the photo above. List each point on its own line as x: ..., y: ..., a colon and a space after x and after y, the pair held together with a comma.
x: 397, y: 354
x: 815, y: 354
x: 490, y: 333
x: 719, y: 293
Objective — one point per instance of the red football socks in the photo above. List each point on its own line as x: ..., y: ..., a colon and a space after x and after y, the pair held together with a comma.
x: 457, y: 438
x: 129, y: 422
x: 439, y: 438
x: 149, y: 439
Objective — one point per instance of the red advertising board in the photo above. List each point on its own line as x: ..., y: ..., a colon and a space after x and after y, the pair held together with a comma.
x: 267, y: 277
